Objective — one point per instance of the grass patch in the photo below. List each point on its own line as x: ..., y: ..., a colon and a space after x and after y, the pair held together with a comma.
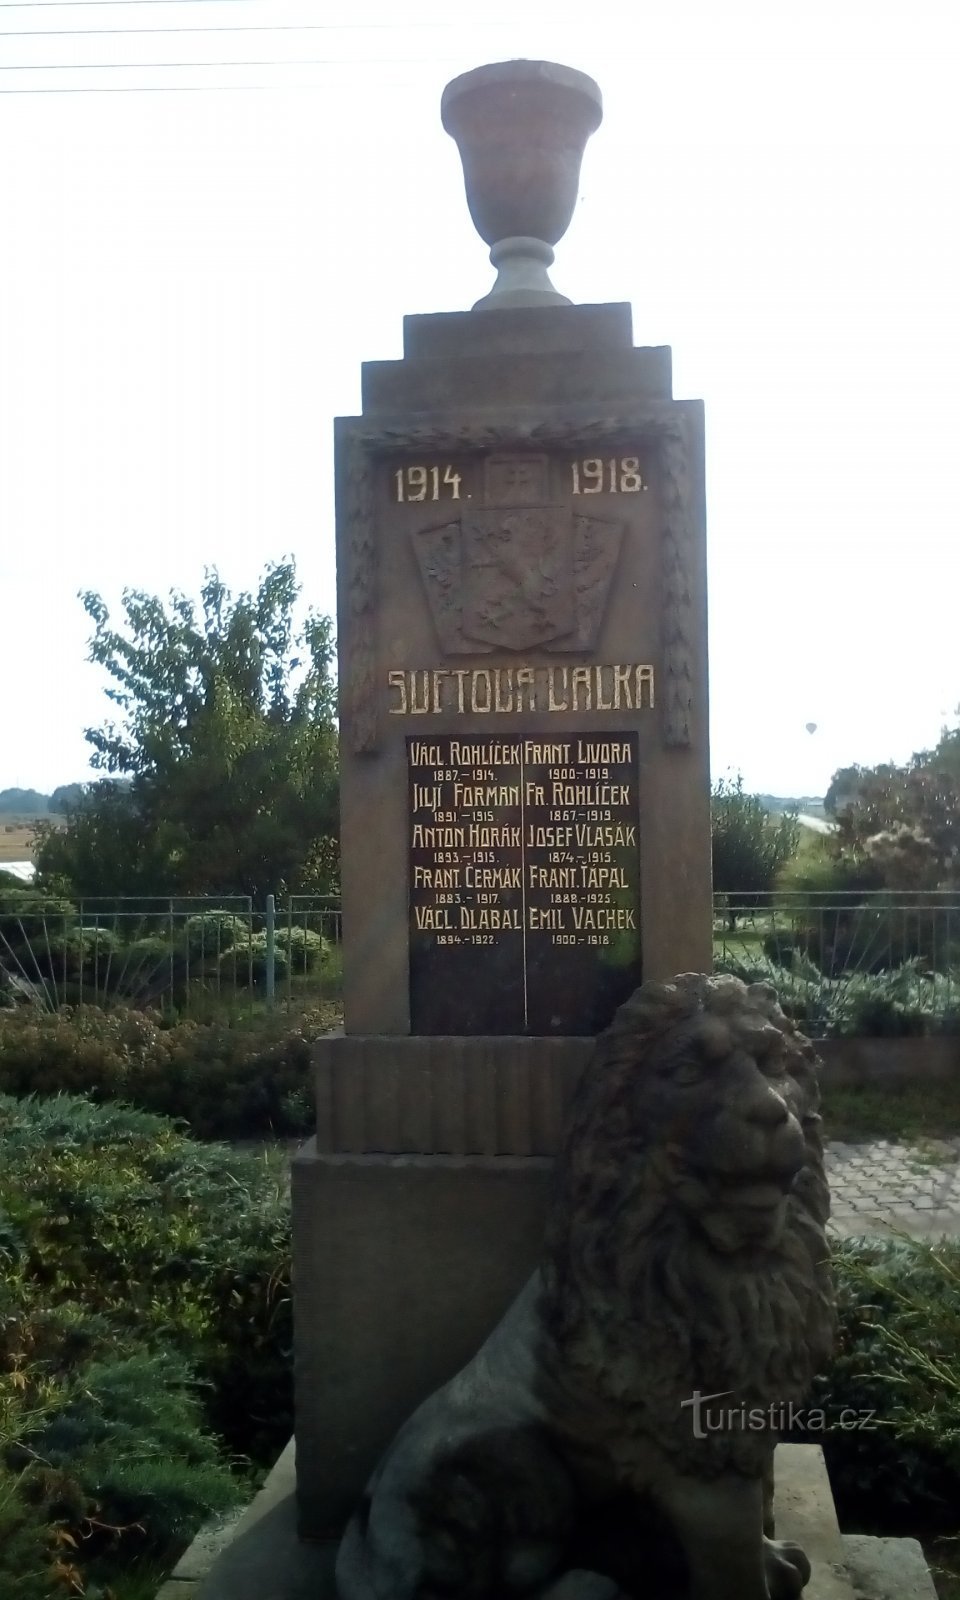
x: 913, y: 1113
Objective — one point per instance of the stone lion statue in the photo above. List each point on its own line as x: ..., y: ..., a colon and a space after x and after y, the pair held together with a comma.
x: 614, y: 1436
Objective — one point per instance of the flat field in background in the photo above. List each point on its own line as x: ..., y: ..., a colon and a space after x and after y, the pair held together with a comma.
x: 16, y: 835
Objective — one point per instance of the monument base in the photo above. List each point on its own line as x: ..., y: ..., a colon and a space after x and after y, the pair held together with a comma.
x: 261, y: 1558
x: 402, y: 1265
x: 417, y: 1217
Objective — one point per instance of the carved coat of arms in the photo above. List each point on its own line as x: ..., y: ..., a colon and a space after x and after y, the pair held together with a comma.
x: 518, y: 577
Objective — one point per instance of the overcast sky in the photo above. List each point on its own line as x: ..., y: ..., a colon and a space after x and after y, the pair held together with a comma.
x: 196, y: 259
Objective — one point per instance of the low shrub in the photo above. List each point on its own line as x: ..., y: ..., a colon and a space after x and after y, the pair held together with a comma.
x: 250, y: 1079
x: 144, y: 1314
x: 304, y: 949
x: 26, y: 914
x: 898, y: 1355
x: 70, y: 955
x: 780, y: 945
x: 209, y: 933
x: 247, y: 963
x: 905, y: 1002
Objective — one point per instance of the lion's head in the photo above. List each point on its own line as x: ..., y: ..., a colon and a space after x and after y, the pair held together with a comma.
x: 686, y: 1246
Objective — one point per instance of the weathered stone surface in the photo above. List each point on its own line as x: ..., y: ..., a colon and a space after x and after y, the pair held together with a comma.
x: 200, y: 1555
x: 521, y: 128
x: 804, y: 1513
x: 444, y: 1096
x: 402, y: 1265
x: 685, y: 1262
x: 887, y: 1569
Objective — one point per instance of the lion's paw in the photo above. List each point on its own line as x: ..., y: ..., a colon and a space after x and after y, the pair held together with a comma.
x: 787, y: 1569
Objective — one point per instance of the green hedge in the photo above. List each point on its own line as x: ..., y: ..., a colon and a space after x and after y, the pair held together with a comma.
x: 251, y: 1079
x: 144, y: 1337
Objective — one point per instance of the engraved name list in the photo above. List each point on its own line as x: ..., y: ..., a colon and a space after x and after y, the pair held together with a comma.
x: 523, y: 882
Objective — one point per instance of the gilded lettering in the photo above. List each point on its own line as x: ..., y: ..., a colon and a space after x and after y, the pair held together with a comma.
x: 480, y: 675
x: 398, y: 681
x: 433, y: 917
x: 553, y: 704
x: 602, y: 705
x: 499, y: 674
x: 583, y: 679
x: 414, y: 708
x: 525, y: 680
x: 645, y: 681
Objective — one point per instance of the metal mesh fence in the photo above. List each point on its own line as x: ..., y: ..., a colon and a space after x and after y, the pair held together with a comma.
x: 195, y: 957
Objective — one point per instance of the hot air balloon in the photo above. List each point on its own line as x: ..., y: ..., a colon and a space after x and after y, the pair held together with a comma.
x: 811, y: 727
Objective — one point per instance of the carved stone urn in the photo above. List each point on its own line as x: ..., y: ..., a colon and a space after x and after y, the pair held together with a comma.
x: 521, y: 128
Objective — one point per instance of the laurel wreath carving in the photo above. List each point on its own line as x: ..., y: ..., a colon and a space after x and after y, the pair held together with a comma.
x: 366, y: 442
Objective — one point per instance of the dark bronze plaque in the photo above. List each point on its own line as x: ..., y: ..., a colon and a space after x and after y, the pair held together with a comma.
x: 524, y: 882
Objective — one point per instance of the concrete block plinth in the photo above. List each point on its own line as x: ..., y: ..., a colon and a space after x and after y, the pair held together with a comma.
x: 402, y: 1265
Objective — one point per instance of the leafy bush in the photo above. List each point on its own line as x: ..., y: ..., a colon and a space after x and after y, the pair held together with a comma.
x: 898, y: 1355
x: 69, y: 955
x: 247, y: 962
x: 226, y: 1082
x: 304, y: 949
x: 26, y: 914
x: 144, y: 1309
x: 781, y: 943
x: 804, y: 993
x: 150, y: 951
x: 903, y: 1002
x: 821, y: 875
x: 208, y: 934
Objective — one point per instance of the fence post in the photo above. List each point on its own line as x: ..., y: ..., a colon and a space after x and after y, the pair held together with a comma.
x: 271, y: 948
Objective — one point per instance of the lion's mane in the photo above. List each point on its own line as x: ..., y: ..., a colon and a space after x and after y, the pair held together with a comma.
x: 637, y: 1300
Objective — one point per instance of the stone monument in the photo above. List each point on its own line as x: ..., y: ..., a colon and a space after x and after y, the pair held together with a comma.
x: 524, y: 782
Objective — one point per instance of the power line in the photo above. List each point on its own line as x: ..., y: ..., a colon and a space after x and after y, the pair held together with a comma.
x: 238, y: 27
x: 167, y: 88
x: 70, y: 5
x: 168, y: 66
x: 189, y: 88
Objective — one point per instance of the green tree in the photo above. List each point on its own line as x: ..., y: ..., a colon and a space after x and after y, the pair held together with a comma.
x: 22, y: 802
x: 749, y: 846
x: 63, y: 799
x: 902, y: 823
x: 222, y: 765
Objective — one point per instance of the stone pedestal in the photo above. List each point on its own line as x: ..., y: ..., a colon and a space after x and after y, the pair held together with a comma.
x: 416, y: 1220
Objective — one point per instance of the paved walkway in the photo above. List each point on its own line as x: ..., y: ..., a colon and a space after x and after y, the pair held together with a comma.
x: 913, y: 1188
x: 875, y: 1186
